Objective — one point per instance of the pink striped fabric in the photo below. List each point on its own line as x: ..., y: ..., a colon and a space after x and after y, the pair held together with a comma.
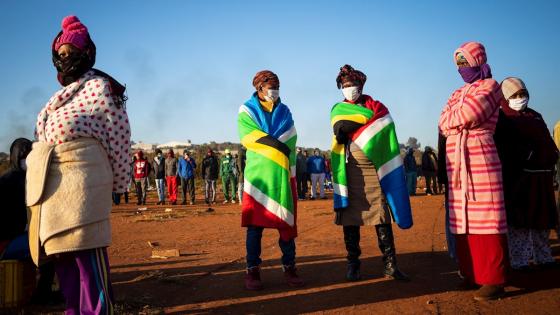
x: 474, y: 52
x: 476, y: 200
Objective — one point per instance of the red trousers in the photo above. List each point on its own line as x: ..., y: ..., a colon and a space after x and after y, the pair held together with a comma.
x: 171, y: 182
x: 483, y: 258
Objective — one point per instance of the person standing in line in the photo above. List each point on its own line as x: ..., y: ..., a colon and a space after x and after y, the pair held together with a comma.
x: 236, y: 192
x: 328, y: 173
x: 14, y: 241
x: 171, y: 176
x: 210, y: 171
x: 267, y: 130
x: 186, y: 170
x: 159, y: 174
x: 528, y: 154
x: 14, y: 238
x: 307, y: 174
x: 81, y: 154
x: 131, y: 183
x: 476, y: 200
x: 429, y: 170
x: 301, y: 174
x: 410, y: 169
x: 241, y: 161
x: 368, y: 174
x: 150, y: 170
x: 141, y: 171
x: 228, y: 173
x: 316, y: 169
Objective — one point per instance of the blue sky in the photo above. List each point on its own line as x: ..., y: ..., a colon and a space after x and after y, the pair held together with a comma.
x: 188, y: 65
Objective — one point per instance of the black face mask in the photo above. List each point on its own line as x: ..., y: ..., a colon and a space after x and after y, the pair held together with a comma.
x: 72, y: 67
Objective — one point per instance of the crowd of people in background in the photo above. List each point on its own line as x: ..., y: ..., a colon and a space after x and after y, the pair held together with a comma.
x: 314, y: 176
x: 312, y: 171
x: 427, y: 168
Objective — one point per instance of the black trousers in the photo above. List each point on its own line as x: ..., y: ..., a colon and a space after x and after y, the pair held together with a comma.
x: 301, y: 183
x: 187, y: 184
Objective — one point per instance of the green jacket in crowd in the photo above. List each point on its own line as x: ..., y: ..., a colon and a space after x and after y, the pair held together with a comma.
x: 228, y: 166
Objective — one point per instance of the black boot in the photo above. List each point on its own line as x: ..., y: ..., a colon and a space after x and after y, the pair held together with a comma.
x: 353, y: 272
x: 352, y: 242
x: 387, y: 247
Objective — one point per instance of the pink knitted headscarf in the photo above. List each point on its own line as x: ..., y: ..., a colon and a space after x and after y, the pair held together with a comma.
x: 73, y: 32
x: 474, y: 52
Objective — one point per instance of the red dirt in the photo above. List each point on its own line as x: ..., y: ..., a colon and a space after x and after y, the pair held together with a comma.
x: 208, y: 276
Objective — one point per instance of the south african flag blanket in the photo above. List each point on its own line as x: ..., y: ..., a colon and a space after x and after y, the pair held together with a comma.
x: 372, y: 129
x: 269, y: 193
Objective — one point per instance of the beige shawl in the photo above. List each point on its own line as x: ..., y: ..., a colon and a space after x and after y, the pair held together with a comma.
x: 68, y: 189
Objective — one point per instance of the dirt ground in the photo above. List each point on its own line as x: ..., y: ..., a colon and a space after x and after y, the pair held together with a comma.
x: 207, y: 278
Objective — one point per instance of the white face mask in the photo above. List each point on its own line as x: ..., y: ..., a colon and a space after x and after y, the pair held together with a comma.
x: 351, y: 93
x: 23, y: 164
x: 518, y: 104
x: 272, y: 95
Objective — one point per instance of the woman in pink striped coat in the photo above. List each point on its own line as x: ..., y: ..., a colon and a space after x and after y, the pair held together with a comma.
x: 476, y: 202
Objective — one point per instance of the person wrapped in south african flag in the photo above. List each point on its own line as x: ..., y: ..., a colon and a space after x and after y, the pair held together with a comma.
x: 267, y: 130
x: 368, y: 173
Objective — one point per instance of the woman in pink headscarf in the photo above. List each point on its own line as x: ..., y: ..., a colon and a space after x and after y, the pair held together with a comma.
x: 476, y: 202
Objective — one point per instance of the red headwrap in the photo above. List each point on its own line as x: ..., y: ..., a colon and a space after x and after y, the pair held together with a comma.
x: 347, y: 73
x: 265, y: 76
